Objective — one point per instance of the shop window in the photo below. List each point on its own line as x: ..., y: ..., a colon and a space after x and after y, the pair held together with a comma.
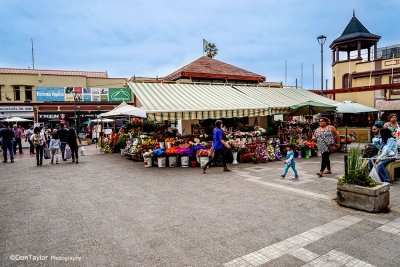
x: 17, y: 93
x: 28, y: 93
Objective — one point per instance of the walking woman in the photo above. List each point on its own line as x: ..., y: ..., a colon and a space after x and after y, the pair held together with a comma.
x: 218, y: 147
x: 74, y: 143
x: 325, y: 135
x: 38, y: 140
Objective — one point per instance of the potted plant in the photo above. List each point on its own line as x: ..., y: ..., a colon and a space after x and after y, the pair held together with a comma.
x: 185, y: 153
x: 147, y: 159
x: 358, y: 190
x: 236, y: 146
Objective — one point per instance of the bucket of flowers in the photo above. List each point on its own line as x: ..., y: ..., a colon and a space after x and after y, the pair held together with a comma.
x: 169, y: 142
x: 300, y: 145
x: 203, y: 155
x: 185, y: 153
x: 161, y: 155
x: 309, y: 147
x: 172, y: 153
x: 147, y: 159
x: 236, y: 147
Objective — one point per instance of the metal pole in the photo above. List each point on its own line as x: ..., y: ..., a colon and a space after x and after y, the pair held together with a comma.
x: 33, y: 56
x: 301, y: 75
x: 346, y: 166
x: 322, y: 69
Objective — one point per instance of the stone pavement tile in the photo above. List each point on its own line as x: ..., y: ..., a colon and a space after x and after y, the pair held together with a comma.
x: 284, y: 261
x: 378, y: 255
x: 335, y: 240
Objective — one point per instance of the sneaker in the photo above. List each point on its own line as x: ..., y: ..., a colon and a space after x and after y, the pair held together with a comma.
x: 227, y: 170
x: 296, y: 177
x: 4, y: 161
x: 57, y: 162
x: 12, y: 161
x: 283, y: 176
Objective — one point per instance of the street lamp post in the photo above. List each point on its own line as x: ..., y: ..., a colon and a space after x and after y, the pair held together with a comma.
x: 321, y: 40
x: 74, y: 94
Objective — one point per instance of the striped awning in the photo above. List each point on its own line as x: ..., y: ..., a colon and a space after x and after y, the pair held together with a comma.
x: 283, y: 97
x: 165, y: 101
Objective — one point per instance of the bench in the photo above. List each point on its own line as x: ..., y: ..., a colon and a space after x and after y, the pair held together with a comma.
x: 391, y: 167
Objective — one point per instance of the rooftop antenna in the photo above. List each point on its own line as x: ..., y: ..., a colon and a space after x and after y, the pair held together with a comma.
x: 33, y: 56
x: 354, y: 13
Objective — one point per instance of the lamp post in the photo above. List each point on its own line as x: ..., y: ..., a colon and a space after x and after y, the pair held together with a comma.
x: 321, y: 40
x: 74, y: 94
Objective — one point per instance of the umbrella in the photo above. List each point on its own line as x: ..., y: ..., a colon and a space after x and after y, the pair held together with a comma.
x: 125, y: 111
x: 310, y: 108
x: 353, y: 107
x: 17, y: 119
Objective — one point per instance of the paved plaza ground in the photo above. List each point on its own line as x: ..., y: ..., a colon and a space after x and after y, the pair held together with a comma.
x: 109, y: 211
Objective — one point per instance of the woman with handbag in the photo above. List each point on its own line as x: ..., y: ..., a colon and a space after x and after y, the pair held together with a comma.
x: 389, y: 154
x: 325, y: 136
x: 74, y: 143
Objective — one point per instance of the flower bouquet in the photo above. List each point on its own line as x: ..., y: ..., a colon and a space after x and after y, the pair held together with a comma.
x: 271, y: 152
x: 236, y: 145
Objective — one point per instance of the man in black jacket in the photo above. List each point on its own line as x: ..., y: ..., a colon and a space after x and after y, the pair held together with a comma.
x: 7, y: 136
x: 63, y: 134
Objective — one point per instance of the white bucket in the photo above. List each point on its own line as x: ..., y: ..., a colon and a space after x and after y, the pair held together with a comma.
x: 185, y: 161
x: 169, y: 145
x: 162, y: 162
x: 244, y: 139
x: 203, y: 161
x: 162, y: 145
x: 172, y: 162
x: 147, y: 162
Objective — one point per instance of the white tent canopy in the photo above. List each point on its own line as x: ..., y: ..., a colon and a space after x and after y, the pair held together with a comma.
x: 125, y: 110
x: 353, y: 107
x: 17, y: 119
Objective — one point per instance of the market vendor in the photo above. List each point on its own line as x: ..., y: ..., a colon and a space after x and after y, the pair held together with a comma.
x: 218, y: 147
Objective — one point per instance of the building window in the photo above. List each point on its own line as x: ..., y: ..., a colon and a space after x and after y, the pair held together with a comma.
x: 0, y: 92
x: 395, y: 79
x: 17, y: 93
x: 28, y: 93
x: 346, y: 81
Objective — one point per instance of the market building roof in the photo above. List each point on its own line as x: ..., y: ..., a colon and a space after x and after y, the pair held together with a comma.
x: 205, y: 67
x: 174, y: 101
x: 388, y: 105
x: 88, y: 74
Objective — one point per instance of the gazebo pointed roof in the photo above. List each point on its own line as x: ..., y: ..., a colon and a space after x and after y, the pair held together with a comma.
x: 355, y: 31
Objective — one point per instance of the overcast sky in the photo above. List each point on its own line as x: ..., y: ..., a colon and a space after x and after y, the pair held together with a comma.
x: 154, y: 38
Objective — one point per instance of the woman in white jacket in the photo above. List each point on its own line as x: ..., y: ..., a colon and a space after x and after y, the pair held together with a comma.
x: 54, y: 147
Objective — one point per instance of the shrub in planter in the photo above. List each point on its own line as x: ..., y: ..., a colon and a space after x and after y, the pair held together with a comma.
x: 358, y: 190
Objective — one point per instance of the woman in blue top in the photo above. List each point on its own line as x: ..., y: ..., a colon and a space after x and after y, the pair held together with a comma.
x: 389, y: 154
x: 218, y: 147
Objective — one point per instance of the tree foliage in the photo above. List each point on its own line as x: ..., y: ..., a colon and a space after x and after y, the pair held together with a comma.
x: 211, y: 50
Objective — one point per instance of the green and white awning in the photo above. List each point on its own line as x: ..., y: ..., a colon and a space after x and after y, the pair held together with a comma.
x: 174, y: 101
x: 283, y: 97
x: 167, y: 101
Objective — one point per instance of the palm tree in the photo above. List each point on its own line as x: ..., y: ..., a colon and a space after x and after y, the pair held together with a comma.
x: 211, y: 50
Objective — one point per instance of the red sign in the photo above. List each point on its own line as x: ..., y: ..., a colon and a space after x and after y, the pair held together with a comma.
x: 62, y: 121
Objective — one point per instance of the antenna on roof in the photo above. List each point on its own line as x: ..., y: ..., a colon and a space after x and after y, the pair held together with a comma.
x: 33, y: 56
x: 354, y: 13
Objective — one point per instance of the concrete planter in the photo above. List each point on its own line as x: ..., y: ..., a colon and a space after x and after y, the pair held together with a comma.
x: 371, y: 199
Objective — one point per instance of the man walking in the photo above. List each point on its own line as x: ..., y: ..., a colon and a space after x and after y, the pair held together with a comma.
x: 218, y: 147
x: 63, y: 135
x: 17, y: 136
x: 28, y: 135
x: 7, y: 136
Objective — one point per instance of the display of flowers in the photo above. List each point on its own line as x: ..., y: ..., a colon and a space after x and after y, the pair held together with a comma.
x: 186, y: 151
x: 236, y: 145
x: 147, y: 154
x: 173, y: 151
x: 300, y: 144
x: 160, y: 152
x: 203, y: 152
x: 311, y: 145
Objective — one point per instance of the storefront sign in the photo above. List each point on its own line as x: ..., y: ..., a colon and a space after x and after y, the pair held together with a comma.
x: 15, y: 108
x: 66, y: 94
x: 56, y: 94
x: 119, y: 94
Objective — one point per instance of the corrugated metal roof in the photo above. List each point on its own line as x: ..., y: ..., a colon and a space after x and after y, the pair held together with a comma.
x: 89, y: 74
